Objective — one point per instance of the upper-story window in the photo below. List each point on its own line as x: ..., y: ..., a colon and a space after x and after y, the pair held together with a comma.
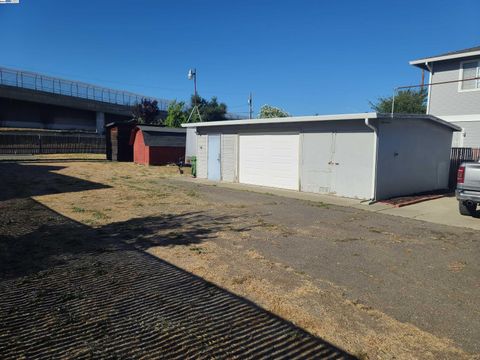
x: 470, y: 70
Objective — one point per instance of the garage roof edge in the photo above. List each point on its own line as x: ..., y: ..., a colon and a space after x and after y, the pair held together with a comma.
x: 334, y: 117
x: 422, y: 117
x: 290, y: 119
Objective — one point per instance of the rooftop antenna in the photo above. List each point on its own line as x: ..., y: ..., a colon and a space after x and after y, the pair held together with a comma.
x: 192, y: 75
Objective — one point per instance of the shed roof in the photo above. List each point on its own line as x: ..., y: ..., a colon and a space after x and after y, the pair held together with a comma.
x: 160, y: 129
x: 160, y: 136
x: 334, y: 117
x: 458, y: 54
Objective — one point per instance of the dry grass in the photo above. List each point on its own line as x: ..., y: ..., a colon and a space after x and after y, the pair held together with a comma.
x: 317, y: 306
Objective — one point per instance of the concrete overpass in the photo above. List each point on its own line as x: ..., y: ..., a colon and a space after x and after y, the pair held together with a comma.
x: 32, y: 100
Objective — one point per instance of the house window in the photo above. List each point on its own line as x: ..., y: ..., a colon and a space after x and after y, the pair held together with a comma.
x: 469, y: 70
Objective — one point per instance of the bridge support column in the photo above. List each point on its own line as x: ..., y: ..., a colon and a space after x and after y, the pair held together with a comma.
x: 100, y: 122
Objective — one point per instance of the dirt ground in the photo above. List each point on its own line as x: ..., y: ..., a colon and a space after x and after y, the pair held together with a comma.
x: 377, y: 286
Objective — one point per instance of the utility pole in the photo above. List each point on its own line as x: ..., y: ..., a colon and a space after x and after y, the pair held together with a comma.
x: 250, y: 106
x: 192, y: 75
x: 195, y: 85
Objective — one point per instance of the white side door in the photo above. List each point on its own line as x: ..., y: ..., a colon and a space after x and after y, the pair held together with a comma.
x: 353, y: 164
x: 317, y: 162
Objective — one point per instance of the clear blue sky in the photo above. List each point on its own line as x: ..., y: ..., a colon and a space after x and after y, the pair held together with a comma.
x: 305, y: 56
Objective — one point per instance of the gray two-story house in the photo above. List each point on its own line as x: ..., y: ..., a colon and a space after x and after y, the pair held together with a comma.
x: 454, y: 92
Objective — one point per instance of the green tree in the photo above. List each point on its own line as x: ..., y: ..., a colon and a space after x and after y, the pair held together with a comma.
x: 406, y: 102
x: 146, y: 112
x: 267, y: 111
x: 210, y: 110
x: 176, y: 114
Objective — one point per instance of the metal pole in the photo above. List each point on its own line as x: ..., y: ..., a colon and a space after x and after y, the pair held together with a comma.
x: 250, y: 105
x: 195, y: 86
x: 393, y: 101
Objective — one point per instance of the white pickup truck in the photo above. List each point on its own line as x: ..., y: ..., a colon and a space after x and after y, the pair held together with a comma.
x: 468, y: 188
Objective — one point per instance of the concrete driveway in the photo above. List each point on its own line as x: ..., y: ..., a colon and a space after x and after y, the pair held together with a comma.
x: 439, y: 211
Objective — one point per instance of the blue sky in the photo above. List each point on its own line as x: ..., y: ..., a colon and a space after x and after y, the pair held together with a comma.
x: 305, y: 56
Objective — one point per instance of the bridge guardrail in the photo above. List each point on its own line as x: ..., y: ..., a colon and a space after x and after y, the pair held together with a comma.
x: 40, y: 82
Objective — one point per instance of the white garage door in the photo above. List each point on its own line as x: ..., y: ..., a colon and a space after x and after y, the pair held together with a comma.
x: 269, y: 160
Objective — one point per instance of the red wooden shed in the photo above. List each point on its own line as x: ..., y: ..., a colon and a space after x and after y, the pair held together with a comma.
x: 157, y: 145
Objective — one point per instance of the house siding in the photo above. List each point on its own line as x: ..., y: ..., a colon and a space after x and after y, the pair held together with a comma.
x: 191, y: 144
x: 445, y: 99
x: 202, y: 156
x: 229, y: 157
x: 470, y: 136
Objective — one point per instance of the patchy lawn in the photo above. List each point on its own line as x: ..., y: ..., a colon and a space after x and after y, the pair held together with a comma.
x: 81, y: 290
x: 374, y: 285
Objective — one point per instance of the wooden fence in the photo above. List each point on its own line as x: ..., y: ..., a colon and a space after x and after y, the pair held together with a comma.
x: 457, y: 156
x: 51, y: 144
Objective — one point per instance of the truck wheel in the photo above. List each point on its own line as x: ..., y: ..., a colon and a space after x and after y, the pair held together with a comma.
x: 465, y: 209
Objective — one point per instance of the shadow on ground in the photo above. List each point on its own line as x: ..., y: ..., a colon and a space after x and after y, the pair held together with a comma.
x: 72, y: 291
x: 22, y: 181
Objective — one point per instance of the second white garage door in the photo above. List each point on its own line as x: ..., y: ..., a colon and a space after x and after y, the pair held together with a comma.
x: 269, y: 160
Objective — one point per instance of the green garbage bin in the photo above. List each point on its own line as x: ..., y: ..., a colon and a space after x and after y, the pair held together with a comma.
x: 193, y: 161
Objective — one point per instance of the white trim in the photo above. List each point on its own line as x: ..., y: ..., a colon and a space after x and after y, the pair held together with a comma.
x: 206, y: 149
x: 429, y: 96
x: 237, y: 148
x: 460, y: 76
x: 358, y: 116
x: 300, y: 160
x: 444, y: 57
x: 375, y: 159
x: 460, y: 118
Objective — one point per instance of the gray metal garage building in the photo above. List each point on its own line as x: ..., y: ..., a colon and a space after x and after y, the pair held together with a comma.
x: 365, y: 156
